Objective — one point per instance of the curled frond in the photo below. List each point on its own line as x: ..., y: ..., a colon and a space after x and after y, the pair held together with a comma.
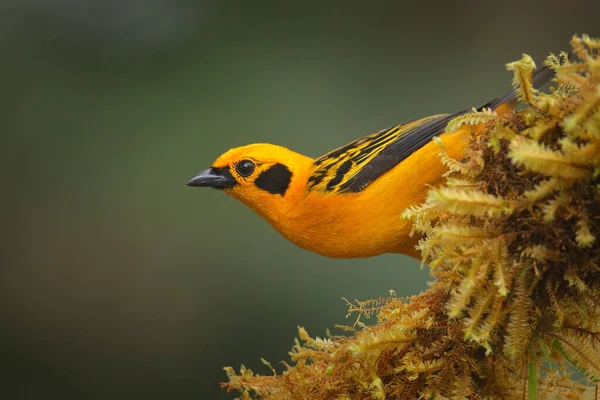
x: 316, y: 343
x: 522, y: 83
x: 379, y: 340
x: 420, y: 367
x: 556, y: 61
x: 466, y: 168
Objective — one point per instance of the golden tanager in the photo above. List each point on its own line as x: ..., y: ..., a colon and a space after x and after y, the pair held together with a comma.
x: 348, y: 202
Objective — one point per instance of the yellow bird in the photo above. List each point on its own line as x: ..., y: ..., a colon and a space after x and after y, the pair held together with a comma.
x: 348, y: 202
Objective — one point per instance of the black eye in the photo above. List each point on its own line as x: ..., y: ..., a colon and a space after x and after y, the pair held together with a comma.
x: 245, y: 168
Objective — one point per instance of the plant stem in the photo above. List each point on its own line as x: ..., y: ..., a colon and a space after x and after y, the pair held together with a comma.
x: 532, y: 372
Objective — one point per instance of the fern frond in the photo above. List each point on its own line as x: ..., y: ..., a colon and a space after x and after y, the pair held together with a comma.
x: 234, y: 380
x: 501, y: 280
x: 518, y: 330
x: 541, y: 190
x: 497, y: 136
x: 461, y: 183
x: 589, y: 42
x: 419, y: 367
x: 473, y: 118
x: 583, y: 235
x: 589, y: 151
x: 365, y: 308
x: 540, y: 129
x: 482, y: 334
x: 456, y: 234
x: 468, y: 286
x: 536, y: 157
x: 575, y: 281
x: 555, y: 62
x: 325, y: 344
x: 268, y: 364
x: 522, y: 83
x: 453, y: 165
x: 468, y: 202
x: 416, y: 210
x: 377, y: 389
x: 552, y: 206
x: 379, y: 340
x: 541, y: 253
x: 583, y: 351
x: 556, y: 306
x: 581, y: 115
x: 590, y: 392
x: 461, y: 388
x: 476, y: 313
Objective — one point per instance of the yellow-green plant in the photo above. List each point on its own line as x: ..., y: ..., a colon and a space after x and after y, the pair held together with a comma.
x: 513, y: 242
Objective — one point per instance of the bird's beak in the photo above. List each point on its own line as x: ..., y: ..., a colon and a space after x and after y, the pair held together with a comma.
x: 218, y: 178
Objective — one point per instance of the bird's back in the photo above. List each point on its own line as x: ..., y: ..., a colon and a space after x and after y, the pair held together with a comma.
x: 352, y: 224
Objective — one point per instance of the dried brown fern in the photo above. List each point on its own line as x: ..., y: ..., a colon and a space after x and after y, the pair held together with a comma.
x: 511, y: 239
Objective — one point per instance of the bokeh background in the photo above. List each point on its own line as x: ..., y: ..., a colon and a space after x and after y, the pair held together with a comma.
x: 119, y: 282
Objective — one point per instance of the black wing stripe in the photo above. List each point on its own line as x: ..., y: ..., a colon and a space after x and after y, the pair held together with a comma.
x: 339, y: 175
x: 368, y: 174
x: 398, y: 151
x: 352, y: 167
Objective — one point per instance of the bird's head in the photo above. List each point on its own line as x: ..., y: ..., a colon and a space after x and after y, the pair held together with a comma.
x: 257, y: 174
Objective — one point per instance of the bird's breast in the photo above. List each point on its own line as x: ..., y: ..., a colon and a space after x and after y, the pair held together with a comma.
x: 367, y: 223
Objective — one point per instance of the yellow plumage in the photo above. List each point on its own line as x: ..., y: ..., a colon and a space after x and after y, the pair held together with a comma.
x: 348, y: 203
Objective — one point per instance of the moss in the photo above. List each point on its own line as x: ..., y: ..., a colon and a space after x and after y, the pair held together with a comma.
x: 512, y: 241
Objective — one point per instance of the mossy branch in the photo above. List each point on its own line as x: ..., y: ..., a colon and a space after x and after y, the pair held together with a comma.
x: 511, y: 238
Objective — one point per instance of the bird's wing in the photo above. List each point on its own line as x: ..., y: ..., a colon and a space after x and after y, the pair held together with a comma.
x: 354, y: 166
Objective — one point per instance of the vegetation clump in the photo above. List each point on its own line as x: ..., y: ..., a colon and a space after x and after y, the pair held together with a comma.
x: 512, y: 239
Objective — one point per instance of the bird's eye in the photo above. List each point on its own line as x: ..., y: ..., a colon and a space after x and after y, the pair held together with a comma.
x: 245, y: 168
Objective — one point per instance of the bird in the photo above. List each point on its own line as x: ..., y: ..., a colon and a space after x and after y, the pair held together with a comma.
x: 348, y: 202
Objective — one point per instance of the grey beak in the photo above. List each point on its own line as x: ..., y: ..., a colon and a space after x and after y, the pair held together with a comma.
x: 218, y: 178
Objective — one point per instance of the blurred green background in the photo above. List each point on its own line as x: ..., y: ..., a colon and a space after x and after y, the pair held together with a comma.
x: 118, y: 281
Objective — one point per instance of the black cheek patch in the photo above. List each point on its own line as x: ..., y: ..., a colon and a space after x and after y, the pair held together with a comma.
x: 275, y: 180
